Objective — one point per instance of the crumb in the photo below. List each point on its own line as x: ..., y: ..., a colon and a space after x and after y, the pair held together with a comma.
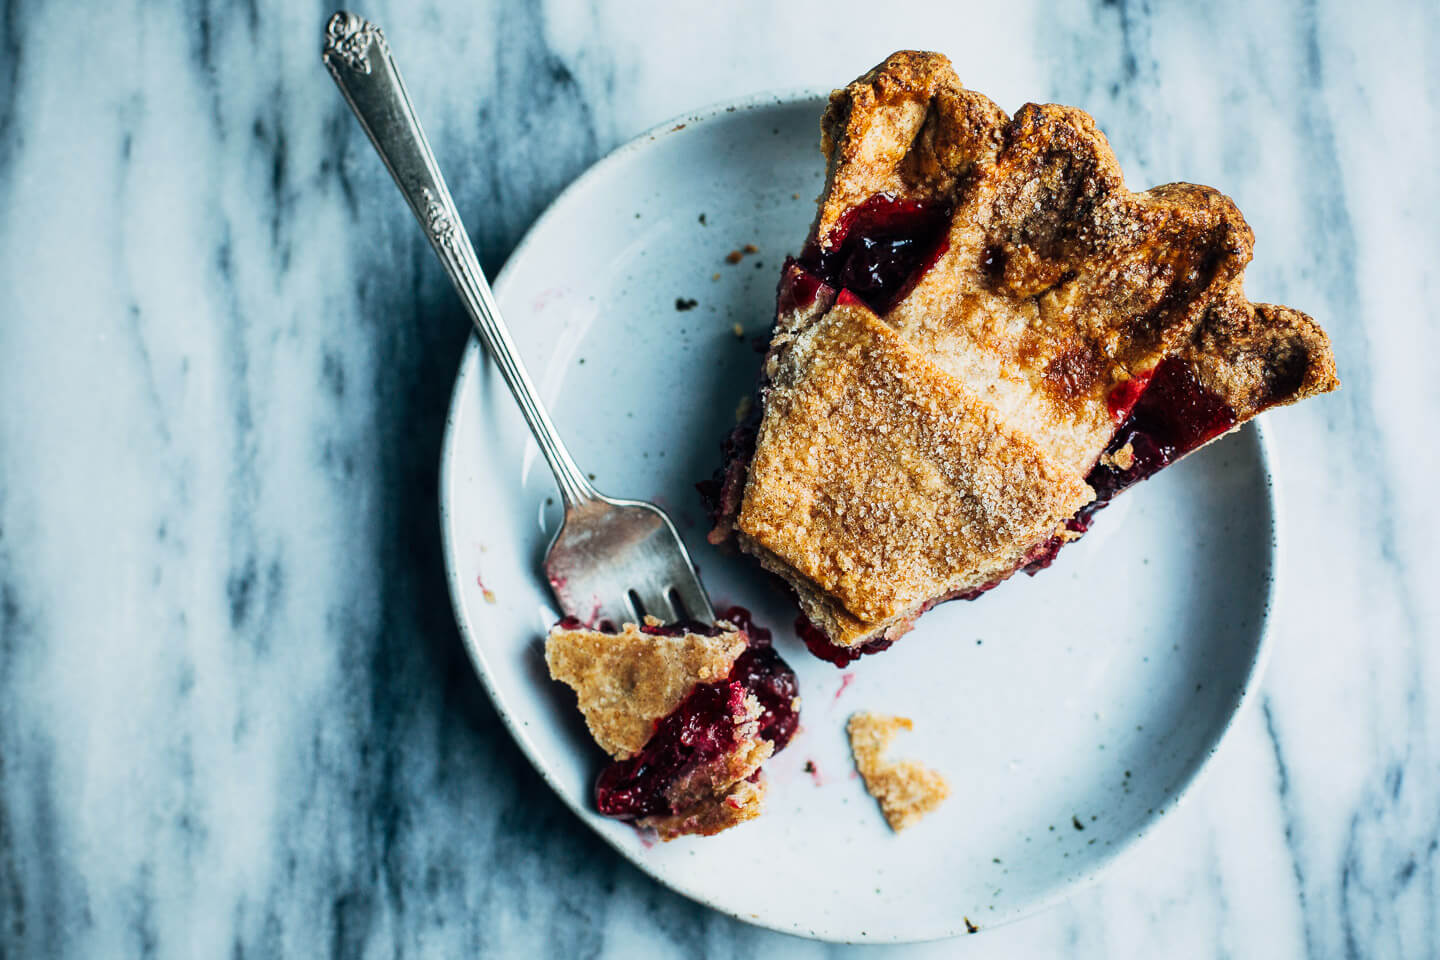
x: 759, y: 264
x: 736, y: 329
x: 750, y: 248
x: 1075, y: 821
x: 734, y: 256
x: 702, y: 220
x: 794, y: 196
x: 682, y: 303
x: 1122, y: 459
x: 590, y: 475
x: 743, y: 408
x: 715, y: 276
x: 906, y: 790
x: 970, y: 927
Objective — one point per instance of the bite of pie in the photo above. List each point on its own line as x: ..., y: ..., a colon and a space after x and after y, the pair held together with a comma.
x: 688, y: 712
x: 984, y: 339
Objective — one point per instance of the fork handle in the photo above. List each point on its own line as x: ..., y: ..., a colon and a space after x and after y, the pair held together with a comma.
x: 359, y: 59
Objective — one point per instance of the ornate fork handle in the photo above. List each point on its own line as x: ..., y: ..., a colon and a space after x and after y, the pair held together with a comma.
x: 359, y: 59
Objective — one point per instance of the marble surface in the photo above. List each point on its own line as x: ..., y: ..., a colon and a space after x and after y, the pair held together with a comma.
x: 235, y: 716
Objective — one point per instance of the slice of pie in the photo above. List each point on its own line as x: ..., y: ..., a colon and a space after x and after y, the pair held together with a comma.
x: 985, y: 338
x: 688, y: 712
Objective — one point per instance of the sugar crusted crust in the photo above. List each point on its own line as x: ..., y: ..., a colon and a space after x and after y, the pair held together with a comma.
x: 905, y: 790
x: 1056, y: 285
x: 626, y: 682
x: 881, y: 480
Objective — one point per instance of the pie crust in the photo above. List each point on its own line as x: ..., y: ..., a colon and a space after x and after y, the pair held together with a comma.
x: 986, y: 337
x: 626, y: 682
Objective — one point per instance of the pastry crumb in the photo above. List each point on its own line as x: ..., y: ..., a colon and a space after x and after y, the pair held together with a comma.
x: 1122, y: 459
x: 905, y: 790
x: 743, y: 408
x: 750, y: 248
x: 738, y: 330
x: 734, y: 256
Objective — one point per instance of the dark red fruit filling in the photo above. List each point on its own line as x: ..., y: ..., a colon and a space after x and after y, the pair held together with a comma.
x: 1173, y: 416
x: 702, y: 729
x: 724, y: 490
x: 820, y: 645
x: 798, y: 288
x: 765, y: 673
x: 882, y: 247
x: 1123, y: 398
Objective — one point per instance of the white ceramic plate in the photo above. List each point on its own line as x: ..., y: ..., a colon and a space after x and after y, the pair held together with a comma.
x: 1089, y: 696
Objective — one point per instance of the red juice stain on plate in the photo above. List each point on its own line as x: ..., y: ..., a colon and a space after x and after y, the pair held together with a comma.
x: 845, y: 680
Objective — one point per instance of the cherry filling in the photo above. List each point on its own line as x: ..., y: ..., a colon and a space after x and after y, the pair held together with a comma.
x: 1167, y: 416
x: 1173, y: 416
x: 723, y: 492
x: 702, y: 729
x: 882, y: 248
x: 829, y: 651
x: 764, y: 673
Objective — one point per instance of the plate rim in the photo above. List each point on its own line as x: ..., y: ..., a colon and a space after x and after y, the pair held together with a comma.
x: 473, y: 355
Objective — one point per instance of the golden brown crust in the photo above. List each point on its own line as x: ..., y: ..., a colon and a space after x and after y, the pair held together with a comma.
x: 907, y: 126
x: 1058, y: 283
x: 906, y: 790
x: 626, y: 682
x: 884, y: 482
x: 1259, y: 355
x: 743, y: 801
x: 714, y: 796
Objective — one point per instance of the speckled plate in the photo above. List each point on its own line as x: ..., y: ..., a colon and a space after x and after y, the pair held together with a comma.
x: 1068, y: 711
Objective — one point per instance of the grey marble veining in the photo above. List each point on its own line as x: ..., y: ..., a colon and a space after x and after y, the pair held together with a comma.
x: 235, y: 716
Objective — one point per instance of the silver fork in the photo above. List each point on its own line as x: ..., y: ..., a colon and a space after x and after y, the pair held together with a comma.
x: 612, y: 560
